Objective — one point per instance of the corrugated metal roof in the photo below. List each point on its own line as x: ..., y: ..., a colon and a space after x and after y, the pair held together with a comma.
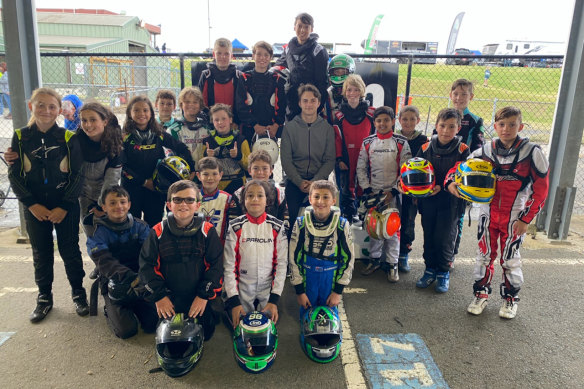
x: 73, y: 41
x: 69, y: 18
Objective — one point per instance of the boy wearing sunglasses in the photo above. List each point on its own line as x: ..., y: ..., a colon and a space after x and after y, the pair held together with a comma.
x: 181, y: 262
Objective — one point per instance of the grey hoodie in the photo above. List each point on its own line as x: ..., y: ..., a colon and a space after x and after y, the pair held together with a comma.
x: 307, y: 151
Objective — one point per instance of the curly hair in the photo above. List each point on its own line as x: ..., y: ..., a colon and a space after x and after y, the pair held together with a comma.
x: 111, y: 140
x: 268, y: 190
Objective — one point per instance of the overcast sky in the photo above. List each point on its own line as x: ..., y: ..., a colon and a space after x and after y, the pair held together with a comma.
x: 185, y: 23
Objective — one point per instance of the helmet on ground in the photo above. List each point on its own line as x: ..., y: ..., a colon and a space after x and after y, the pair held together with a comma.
x: 343, y: 62
x: 417, y: 177
x: 268, y: 144
x: 476, y: 180
x: 179, y: 344
x: 321, y: 334
x: 168, y: 171
x: 255, y: 341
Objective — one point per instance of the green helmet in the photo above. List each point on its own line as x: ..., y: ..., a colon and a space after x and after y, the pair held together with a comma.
x: 340, y: 61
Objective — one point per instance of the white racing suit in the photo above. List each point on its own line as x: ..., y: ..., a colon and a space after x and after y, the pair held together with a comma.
x: 255, y: 261
x: 378, y: 168
x: 521, y: 189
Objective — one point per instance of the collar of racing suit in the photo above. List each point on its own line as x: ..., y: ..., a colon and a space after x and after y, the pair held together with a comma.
x: 257, y: 220
x: 191, y: 229
x: 446, y: 149
x: 117, y: 227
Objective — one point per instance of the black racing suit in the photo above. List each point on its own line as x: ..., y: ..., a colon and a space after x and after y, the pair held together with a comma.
x: 308, y: 65
x: 441, y: 212
x: 182, y: 264
x: 220, y: 86
x: 48, y: 171
x: 142, y: 151
x: 260, y: 99
x: 408, y: 208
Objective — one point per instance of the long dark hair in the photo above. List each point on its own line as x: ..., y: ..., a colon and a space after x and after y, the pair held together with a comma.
x: 130, y: 126
x: 111, y: 141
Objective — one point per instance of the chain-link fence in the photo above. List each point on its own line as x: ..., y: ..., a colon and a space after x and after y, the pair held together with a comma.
x: 530, y: 83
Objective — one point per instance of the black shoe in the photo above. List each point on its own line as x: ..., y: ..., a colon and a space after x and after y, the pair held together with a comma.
x: 80, y: 301
x: 44, y: 305
x: 94, y: 273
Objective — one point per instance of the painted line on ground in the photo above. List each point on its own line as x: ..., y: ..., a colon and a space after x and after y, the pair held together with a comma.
x: 354, y: 377
x: 355, y: 290
x: 28, y: 258
x: 4, y: 336
x: 8, y: 289
x: 399, y: 360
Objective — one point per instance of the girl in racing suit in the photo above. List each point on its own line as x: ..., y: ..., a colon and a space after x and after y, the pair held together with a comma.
x: 255, y: 256
x: 46, y: 178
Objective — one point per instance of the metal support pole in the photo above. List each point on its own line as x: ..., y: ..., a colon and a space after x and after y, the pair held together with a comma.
x: 24, y: 65
x: 181, y: 58
x: 566, y: 136
x: 408, y: 80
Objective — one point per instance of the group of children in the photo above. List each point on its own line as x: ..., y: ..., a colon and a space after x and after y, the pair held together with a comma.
x: 228, y: 236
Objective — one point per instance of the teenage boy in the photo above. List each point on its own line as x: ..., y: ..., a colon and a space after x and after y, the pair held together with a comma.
x: 115, y: 249
x: 308, y: 149
x: 181, y: 262
x: 307, y: 61
x: 522, y: 186
x: 261, y: 97
x: 219, y: 81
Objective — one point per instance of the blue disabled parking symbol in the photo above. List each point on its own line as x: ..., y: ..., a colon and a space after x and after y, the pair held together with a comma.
x: 398, y: 361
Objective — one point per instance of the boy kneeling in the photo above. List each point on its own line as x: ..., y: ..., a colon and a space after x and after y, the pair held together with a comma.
x: 181, y: 262
x: 115, y: 248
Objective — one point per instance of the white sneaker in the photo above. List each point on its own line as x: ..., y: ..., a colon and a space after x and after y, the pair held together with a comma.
x: 393, y: 273
x: 508, y: 308
x: 479, y: 303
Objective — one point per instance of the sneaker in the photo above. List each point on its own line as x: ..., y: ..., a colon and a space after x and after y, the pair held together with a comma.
x: 509, y: 307
x: 479, y: 302
x: 443, y: 278
x: 427, y: 279
x: 371, y: 267
x: 94, y: 273
x: 393, y: 273
x: 44, y: 305
x: 403, y: 264
x: 80, y: 301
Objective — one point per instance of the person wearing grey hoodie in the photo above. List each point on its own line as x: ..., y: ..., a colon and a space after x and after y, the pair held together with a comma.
x: 307, y: 149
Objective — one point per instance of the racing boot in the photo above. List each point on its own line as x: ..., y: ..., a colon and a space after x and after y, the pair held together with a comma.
x: 479, y: 302
x: 393, y: 273
x: 374, y: 264
x: 443, y: 278
x: 403, y: 264
x: 427, y: 279
x: 80, y: 301
x: 509, y: 307
x: 44, y: 305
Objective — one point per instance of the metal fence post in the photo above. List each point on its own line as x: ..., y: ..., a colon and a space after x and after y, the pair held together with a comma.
x: 181, y: 58
x: 408, y: 80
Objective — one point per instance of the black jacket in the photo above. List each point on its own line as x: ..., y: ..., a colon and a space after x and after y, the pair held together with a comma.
x: 48, y: 170
x: 182, y: 263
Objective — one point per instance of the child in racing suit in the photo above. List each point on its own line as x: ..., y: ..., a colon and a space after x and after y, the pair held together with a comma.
x: 256, y: 256
x: 378, y: 169
x: 181, y: 262
x: 522, y: 184
x: 321, y: 250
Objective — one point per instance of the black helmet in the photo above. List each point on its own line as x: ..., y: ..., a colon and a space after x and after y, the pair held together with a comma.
x: 179, y: 344
x: 168, y: 171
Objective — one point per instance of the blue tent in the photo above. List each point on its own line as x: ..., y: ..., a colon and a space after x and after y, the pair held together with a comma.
x: 237, y: 45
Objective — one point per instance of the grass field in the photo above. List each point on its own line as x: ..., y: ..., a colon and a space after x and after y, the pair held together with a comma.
x: 533, y: 90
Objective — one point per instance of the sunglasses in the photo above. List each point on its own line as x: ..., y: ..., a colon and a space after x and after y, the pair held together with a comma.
x: 188, y: 200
